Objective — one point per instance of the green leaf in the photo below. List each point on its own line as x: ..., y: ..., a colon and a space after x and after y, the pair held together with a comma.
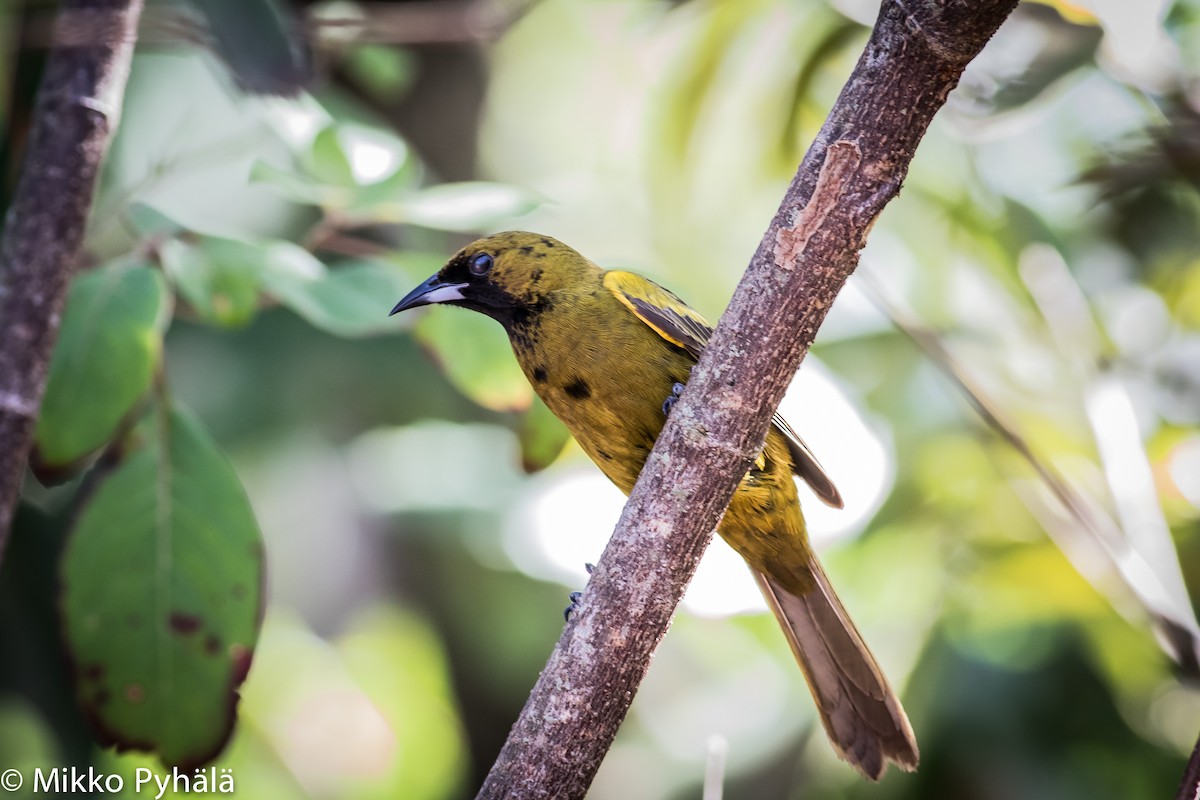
x: 462, y: 207
x: 542, y: 436
x: 299, y: 188
x: 384, y: 71
x: 377, y: 202
x: 691, y: 86
x: 162, y: 595
x: 149, y: 221
x: 475, y: 355
x: 107, y: 350
x: 351, y: 300
x: 218, y: 277
x: 327, y: 161
x: 377, y: 156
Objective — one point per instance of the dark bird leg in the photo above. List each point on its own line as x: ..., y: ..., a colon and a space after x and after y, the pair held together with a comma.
x: 576, y: 597
x: 672, y: 399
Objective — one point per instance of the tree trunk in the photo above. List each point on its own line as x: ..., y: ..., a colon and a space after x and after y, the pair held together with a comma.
x: 78, y: 104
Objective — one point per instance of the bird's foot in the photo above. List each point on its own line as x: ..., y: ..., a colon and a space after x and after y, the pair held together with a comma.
x: 672, y: 399
x: 576, y: 597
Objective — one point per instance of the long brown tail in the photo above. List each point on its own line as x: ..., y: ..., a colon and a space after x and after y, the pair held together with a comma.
x: 861, y: 713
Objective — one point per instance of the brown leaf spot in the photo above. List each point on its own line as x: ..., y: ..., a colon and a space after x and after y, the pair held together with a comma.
x: 135, y: 693
x: 240, y: 655
x: 94, y: 672
x: 184, y: 623
x: 212, y: 645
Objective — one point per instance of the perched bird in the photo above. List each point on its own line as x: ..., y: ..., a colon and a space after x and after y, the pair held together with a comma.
x: 608, y: 352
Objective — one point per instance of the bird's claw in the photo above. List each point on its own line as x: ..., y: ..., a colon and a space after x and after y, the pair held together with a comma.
x: 575, y: 598
x: 672, y: 399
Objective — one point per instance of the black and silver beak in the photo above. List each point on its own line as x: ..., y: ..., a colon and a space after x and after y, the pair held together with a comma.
x: 431, y: 291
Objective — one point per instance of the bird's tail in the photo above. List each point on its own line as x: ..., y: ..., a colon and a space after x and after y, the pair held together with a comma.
x: 861, y: 713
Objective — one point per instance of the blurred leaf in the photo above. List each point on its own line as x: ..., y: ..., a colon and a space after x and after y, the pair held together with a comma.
x: 327, y: 161
x: 376, y: 202
x: 25, y: 739
x: 104, y: 360
x: 352, y: 300
x: 299, y: 188
x: 1071, y: 12
x: 1185, y: 299
x: 149, y: 221
x: 384, y: 71
x: 463, y: 207
x: 542, y: 436
x: 692, y: 86
x: 1151, y: 181
x: 261, y: 43
x: 218, y: 277
x: 475, y: 355
x: 823, y: 39
x: 359, y: 171
x: 1031, y: 583
x: 162, y: 595
x: 1063, y: 42
x: 222, y: 279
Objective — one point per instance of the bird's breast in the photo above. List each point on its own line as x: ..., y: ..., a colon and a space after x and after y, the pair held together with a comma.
x: 606, y: 379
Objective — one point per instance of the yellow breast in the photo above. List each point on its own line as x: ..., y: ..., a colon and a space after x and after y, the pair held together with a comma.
x: 605, y: 374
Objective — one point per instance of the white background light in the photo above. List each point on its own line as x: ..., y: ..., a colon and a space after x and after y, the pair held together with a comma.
x: 570, y: 512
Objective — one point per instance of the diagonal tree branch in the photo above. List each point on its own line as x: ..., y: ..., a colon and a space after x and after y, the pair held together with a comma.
x: 1189, y: 785
x: 913, y: 60
x: 78, y: 104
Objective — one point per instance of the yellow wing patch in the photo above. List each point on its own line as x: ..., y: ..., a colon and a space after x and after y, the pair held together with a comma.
x: 676, y: 321
x: 666, y: 314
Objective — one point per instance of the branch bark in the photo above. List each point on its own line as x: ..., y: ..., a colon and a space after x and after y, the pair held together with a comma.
x: 857, y: 163
x: 1189, y: 785
x: 78, y: 104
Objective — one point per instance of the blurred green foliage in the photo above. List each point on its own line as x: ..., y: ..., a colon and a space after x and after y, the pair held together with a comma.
x: 244, y: 255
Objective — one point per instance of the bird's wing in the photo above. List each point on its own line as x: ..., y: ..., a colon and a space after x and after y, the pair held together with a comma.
x: 676, y: 321
x: 670, y: 317
x: 805, y: 464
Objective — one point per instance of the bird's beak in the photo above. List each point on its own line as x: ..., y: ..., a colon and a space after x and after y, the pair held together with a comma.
x: 431, y: 291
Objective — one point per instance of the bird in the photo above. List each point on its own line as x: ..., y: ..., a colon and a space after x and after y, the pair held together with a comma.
x: 609, y: 352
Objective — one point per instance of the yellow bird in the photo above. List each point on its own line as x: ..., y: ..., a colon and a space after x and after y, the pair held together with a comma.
x: 608, y: 352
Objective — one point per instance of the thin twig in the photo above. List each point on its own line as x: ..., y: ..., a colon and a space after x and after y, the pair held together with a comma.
x: 913, y: 60
x: 1091, y: 527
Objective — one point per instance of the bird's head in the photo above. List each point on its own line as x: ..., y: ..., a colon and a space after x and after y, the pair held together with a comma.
x: 507, y: 276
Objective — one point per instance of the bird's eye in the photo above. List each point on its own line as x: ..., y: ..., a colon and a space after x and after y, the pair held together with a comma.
x: 481, y: 264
